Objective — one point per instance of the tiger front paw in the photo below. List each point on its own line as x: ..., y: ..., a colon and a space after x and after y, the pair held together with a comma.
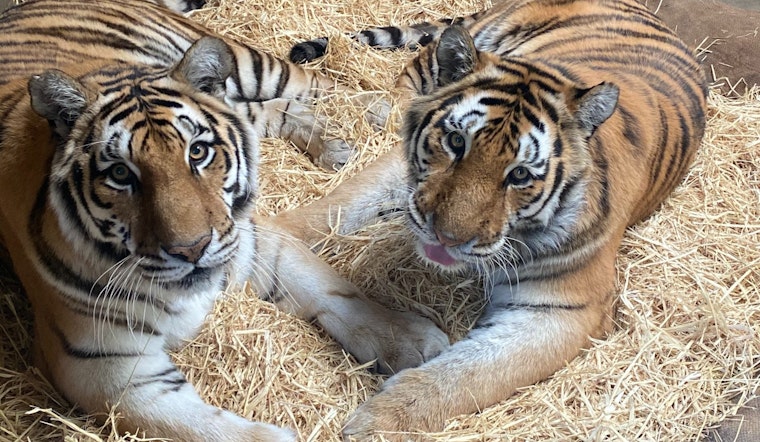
x: 412, y: 341
x: 271, y: 433
x: 334, y: 154
x: 395, y: 340
x: 402, y: 411
x: 377, y: 109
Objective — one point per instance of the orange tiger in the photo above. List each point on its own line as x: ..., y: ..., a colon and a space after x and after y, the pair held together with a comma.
x: 536, y: 132
x: 128, y: 158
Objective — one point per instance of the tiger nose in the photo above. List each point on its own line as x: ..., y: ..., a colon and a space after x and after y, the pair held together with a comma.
x: 191, y: 253
x: 447, y: 239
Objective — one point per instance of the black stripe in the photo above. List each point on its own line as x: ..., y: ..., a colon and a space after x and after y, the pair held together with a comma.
x: 602, y: 166
x: 661, y: 147
x: 425, y: 39
x: 534, y: 120
x: 257, y: 74
x: 284, y: 79
x: 495, y: 101
x: 394, y: 33
x: 424, y: 83
x: 370, y: 36
x: 92, y: 311
x: 631, y: 128
x: 492, y: 320
x: 162, y: 102
x: 536, y: 148
x: 570, y: 185
x: 558, y: 181
x: 542, y: 306
x: 166, y: 91
x: 122, y: 114
x: 83, y: 353
x: 170, y: 376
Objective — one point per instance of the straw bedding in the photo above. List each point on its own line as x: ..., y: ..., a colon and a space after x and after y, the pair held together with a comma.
x: 688, y: 318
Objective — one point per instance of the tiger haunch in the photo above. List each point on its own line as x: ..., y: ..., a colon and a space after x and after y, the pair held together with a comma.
x: 128, y: 149
x: 534, y: 133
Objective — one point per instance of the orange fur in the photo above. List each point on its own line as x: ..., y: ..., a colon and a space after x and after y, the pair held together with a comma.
x: 534, y: 133
x: 128, y: 153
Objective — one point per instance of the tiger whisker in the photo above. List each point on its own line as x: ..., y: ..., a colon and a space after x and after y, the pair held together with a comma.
x: 98, y: 317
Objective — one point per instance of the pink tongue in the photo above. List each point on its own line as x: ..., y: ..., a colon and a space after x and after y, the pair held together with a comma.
x: 439, y: 254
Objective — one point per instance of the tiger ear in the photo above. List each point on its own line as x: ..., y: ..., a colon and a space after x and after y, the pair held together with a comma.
x: 595, y: 105
x: 456, y: 55
x: 206, y: 66
x: 58, y: 98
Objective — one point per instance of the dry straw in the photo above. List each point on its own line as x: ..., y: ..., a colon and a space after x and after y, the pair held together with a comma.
x: 688, y: 318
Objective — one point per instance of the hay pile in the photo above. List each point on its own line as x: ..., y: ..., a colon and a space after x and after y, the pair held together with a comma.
x: 688, y: 320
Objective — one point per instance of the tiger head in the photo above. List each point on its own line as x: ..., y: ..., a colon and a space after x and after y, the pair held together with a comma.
x: 152, y: 167
x: 498, y: 153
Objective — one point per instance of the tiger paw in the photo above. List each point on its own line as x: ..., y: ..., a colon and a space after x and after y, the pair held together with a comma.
x: 228, y: 427
x: 408, y: 341
x: 233, y: 431
x: 402, y: 411
x: 271, y: 433
x: 334, y: 154
x: 378, y: 109
x: 395, y: 340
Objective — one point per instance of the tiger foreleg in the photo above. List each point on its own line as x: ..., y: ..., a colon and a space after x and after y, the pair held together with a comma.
x: 518, y: 349
x: 150, y: 395
x: 300, y: 283
x: 529, y: 331
x: 378, y: 191
x: 297, y: 122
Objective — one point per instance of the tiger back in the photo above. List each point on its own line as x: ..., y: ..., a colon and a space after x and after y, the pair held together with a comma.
x: 128, y: 177
x: 533, y: 133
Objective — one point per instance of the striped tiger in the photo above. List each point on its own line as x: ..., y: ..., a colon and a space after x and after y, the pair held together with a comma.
x: 128, y: 150
x: 537, y: 131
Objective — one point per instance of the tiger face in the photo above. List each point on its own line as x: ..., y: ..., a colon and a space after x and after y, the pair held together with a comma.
x: 498, y: 159
x: 157, y: 170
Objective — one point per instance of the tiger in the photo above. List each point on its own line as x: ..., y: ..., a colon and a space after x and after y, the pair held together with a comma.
x: 129, y: 142
x: 533, y: 134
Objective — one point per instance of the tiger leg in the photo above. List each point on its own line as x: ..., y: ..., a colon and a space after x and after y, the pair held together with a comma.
x: 530, y: 331
x: 282, y: 103
x: 147, y: 390
x: 300, y: 283
x: 378, y: 191
x: 296, y: 121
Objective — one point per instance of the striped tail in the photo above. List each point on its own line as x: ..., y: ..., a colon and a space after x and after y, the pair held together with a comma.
x: 307, y: 51
x: 384, y: 37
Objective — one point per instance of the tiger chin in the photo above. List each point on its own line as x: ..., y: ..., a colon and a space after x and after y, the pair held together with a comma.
x: 534, y: 133
x: 128, y: 150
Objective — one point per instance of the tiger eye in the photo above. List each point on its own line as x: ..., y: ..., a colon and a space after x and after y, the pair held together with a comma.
x: 120, y: 173
x: 519, y: 175
x: 456, y: 143
x: 456, y: 140
x: 198, y: 153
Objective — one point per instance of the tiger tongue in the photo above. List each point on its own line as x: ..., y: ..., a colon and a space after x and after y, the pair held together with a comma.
x: 439, y: 254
